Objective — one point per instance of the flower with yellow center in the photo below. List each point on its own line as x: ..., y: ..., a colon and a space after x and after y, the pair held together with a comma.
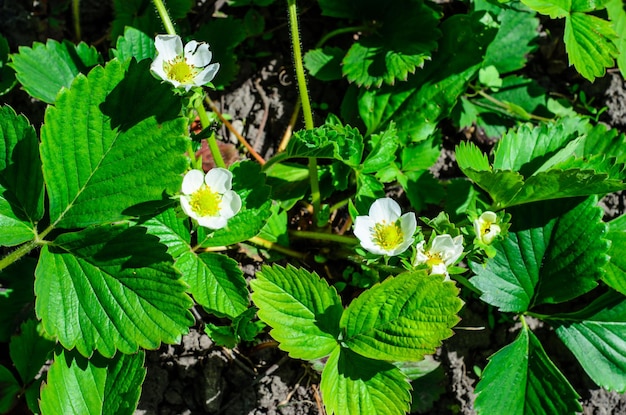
x: 487, y: 228
x: 384, y: 231
x: 183, y: 67
x: 208, y: 198
x: 444, y: 252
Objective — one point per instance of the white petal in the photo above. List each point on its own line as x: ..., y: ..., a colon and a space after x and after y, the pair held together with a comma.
x: 385, y: 210
x: 184, y: 203
x: 219, y: 179
x: 207, y: 74
x: 408, y: 224
x: 402, y: 247
x: 231, y: 204
x: 192, y: 181
x: 212, y: 222
x: 156, y: 67
x: 362, y: 227
x: 440, y: 269
x: 489, y: 216
x: 199, y: 55
x: 452, y: 254
x: 168, y: 46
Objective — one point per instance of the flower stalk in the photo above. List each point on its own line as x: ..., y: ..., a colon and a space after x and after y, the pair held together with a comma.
x: 165, y: 17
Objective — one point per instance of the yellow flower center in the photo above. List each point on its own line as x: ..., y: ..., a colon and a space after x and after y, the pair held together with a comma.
x: 387, y: 236
x: 433, y: 259
x: 205, y: 202
x: 179, y: 70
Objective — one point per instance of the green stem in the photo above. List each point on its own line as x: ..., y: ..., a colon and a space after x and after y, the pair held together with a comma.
x: 465, y: 282
x: 76, y: 15
x: 316, y: 198
x: 274, y: 246
x: 320, y: 236
x: 340, y: 31
x: 192, y: 156
x: 18, y: 253
x: 165, y: 17
x: 211, y: 141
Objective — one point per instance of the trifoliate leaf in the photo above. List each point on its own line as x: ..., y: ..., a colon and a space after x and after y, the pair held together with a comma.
x: 7, y: 74
x: 324, y: 64
x: 301, y: 308
x: 552, y: 253
x: 553, y: 8
x: 617, y: 16
x: 589, y: 42
x: 44, y: 69
x: 110, y: 288
x: 134, y: 44
x: 21, y: 181
x: 354, y: 385
x: 520, y: 379
x: 77, y: 386
x: 403, y: 318
x: 249, y: 183
x: 595, y: 335
x: 432, y: 92
x: 514, y: 42
x: 398, y: 47
x: 29, y: 350
x: 86, y: 167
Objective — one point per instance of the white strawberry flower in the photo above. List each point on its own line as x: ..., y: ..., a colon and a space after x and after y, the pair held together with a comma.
x: 208, y: 198
x: 186, y: 67
x: 384, y: 231
x: 444, y: 252
x: 487, y: 227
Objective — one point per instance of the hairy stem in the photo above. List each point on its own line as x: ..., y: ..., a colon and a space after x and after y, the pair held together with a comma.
x: 276, y: 247
x: 321, y: 236
x: 211, y: 141
x: 165, y: 17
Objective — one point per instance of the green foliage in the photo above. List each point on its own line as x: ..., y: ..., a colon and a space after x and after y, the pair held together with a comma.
x: 551, y: 254
x: 134, y: 44
x: 44, y: 69
x: 142, y: 16
x: 7, y: 74
x: 521, y: 378
x: 77, y: 385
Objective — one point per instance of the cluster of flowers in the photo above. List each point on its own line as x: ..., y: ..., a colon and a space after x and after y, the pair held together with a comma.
x: 385, y: 232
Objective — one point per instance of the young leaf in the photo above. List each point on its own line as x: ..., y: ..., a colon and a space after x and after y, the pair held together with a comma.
x: 331, y: 140
x: 552, y: 253
x: 432, y: 92
x: 398, y: 47
x: 44, y: 69
x: 134, y: 44
x: 520, y: 379
x: 249, y: 183
x: 595, y: 335
x: 301, y: 308
x: 589, y: 42
x: 110, y: 288
x: 21, y: 181
x: 403, y: 318
x: 86, y: 168
x: 77, y: 386
x: 29, y: 350
x: 355, y: 385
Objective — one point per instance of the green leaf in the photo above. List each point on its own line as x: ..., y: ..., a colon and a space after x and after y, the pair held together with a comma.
x: 403, y: 318
x: 172, y: 231
x: 331, y: 140
x: 552, y: 253
x: 134, y: 44
x: 617, y: 16
x: 398, y: 47
x: 21, y: 181
x: 301, y: 308
x: 17, y: 281
x: 216, y: 282
x: 615, y: 270
x: 9, y: 389
x: 553, y: 8
x: 29, y: 350
x: 589, y: 42
x: 97, y: 386
x: 324, y: 64
x: 7, y: 74
x: 514, y: 42
x: 520, y: 379
x: 432, y: 92
x: 383, y: 152
x: 86, y: 168
x: 355, y: 385
x: 44, y: 69
x: 368, y: 189
x: 249, y: 183
x: 110, y: 288
x: 595, y: 335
